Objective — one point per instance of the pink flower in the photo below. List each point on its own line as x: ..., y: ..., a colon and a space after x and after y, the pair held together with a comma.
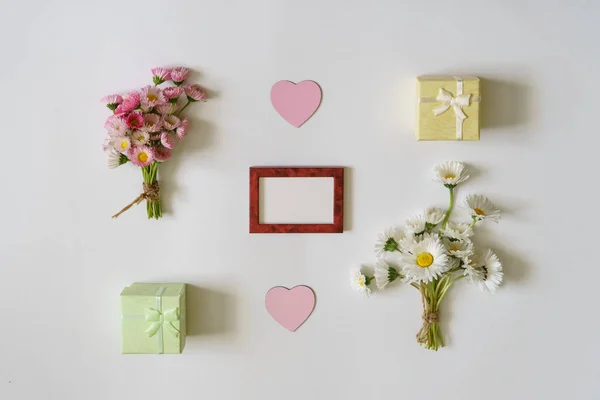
x: 140, y: 137
x: 152, y: 96
x: 145, y: 108
x: 108, y: 142
x: 159, y: 75
x: 162, y: 153
x: 121, y: 144
x: 112, y: 101
x: 129, y: 104
x: 141, y: 155
x: 135, y: 120
x: 182, y: 128
x: 164, y: 109
x: 116, y: 125
x: 173, y: 93
x: 152, y: 123
x: 179, y: 74
x: 171, y: 122
x: 194, y: 93
x: 167, y: 140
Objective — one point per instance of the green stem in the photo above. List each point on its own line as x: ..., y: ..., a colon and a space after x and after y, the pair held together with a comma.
x: 183, y: 108
x: 450, y: 207
x: 474, y: 222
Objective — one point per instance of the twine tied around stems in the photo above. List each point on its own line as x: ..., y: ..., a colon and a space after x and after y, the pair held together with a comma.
x: 428, y: 319
x: 150, y: 193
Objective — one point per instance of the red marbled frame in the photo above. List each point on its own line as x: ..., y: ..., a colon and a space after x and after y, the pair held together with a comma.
x: 337, y: 173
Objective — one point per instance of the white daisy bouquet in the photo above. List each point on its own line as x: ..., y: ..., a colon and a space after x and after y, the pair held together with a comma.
x: 146, y: 125
x: 432, y: 253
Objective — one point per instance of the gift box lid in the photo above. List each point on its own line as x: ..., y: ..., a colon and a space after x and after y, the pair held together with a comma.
x: 445, y: 78
x: 150, y: 289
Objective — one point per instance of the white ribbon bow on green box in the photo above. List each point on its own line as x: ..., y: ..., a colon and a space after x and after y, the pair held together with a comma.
x: 159, y: 320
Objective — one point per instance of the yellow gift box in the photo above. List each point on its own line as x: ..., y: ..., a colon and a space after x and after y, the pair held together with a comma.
x: 448, y: 108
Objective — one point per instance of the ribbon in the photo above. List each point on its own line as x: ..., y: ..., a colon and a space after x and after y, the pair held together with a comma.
x: 159, y: 320
x: 456, y: 103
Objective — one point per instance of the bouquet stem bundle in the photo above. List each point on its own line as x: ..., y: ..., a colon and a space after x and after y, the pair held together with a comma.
x: 432, y: 294
x: 151, y: 193
x: 151, y: 188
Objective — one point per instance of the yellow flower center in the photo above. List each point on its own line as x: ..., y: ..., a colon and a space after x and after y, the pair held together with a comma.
x: 478, y: 211
x: 424, y: 260
x: 450, y: 176
x: 152, y: 97
x: 141, y: 137
x: 142, y: 157
x: 124, y: 144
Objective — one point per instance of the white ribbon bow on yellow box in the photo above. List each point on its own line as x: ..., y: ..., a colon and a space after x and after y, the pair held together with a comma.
x: 432, y: 121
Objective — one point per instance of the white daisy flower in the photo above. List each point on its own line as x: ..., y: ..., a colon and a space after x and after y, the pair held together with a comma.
x: 113, y: 159
x: 389, y: 240
x: 474, y: 275
x: 140, y: 137
x: 492, y: 271
x: 481, y: 208
x: 450, y: 173
x: 359, y: 282
x: 454, y: 263
x: 427, y: 260
x: 384, y: 274
x: 458, y: 231
x: 416, y: 225
x: 458, y: 248
x: 434, y: 216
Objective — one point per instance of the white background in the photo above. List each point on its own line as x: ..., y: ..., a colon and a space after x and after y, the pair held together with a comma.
x: 64, y: 261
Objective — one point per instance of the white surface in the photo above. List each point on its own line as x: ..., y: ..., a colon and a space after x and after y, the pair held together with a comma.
x: 295, y: 200
x: 64, y: 261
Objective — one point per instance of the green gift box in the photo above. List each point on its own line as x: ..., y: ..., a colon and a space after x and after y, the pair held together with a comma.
x: 153, y: 318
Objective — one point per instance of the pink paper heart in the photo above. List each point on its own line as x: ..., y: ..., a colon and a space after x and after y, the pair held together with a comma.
x: 296, y: 103
x: 290, y: 307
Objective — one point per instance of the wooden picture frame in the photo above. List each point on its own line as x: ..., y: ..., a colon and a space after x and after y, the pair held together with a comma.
x: 337, y: 173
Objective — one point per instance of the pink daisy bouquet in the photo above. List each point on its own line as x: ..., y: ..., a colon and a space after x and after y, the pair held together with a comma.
x: 146, y: 125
